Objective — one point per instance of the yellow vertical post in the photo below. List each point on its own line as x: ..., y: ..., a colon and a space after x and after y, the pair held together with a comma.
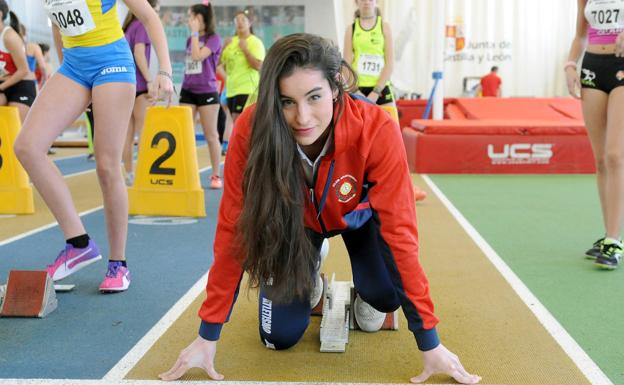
x: 167, y: 176
x: 16, y: 195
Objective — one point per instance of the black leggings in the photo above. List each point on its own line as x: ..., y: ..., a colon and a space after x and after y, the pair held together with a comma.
x: 281, y: 326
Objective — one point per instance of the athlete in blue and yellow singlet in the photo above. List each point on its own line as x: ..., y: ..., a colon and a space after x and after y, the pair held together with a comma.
x: 95, y: 50
x: 97, y: 67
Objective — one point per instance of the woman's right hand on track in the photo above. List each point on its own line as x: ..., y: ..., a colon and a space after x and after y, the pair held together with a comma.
x: 199, y: 354
x: 574, y: 82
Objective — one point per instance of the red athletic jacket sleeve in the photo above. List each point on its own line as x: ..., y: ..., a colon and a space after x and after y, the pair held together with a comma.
x: 391, y: 196
x: 226, y: 271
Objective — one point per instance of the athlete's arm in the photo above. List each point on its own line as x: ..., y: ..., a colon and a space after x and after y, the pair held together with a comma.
x: 36, y: 51
x: 199, y: 354
x: 58, y: 42
x: 141, y: 61
x: 347, y: 54
x: 578, y: 44
x: 162, y: 87
x: 197, y: 53
x: 386, y: 72
x: 576, y: 49
x: 15, y: 46
x: 253, y: 61
x: 221, y: 71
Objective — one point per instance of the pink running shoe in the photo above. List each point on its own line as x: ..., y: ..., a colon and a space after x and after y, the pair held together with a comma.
x: 72, y: 259
x: 117, y: 278
x: 215, y: 182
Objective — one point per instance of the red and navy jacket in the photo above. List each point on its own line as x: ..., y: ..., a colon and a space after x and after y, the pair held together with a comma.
x: 365, y: 175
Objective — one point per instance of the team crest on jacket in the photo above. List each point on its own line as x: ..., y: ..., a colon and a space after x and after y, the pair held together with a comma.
x: 345, y: 188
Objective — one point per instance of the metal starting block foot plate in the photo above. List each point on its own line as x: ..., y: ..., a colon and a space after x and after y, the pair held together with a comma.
x: 335, y: 322
x: 28, y: 294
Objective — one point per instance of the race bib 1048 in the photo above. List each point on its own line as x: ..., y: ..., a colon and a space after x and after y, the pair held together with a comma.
x: 605, y: 14
x: 71, y: 16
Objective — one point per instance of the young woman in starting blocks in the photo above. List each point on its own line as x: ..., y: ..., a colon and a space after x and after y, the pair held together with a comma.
x: 307, y: 162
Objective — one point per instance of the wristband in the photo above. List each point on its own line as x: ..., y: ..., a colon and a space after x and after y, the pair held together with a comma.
x: 378, y: 90
x: 195, y: 34
x: 569, y: 64
x: 166, y: 74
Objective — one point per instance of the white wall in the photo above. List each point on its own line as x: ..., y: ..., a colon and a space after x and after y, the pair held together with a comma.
x: 531, y: 39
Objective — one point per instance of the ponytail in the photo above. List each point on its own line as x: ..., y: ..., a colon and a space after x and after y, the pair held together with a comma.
x: 14, y: 22
x: 128, y: 20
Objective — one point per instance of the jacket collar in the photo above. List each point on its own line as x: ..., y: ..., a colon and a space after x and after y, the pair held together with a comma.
x: 349, y: 126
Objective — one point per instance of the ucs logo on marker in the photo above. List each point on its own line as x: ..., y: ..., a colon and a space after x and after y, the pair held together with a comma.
x: 521, y: 153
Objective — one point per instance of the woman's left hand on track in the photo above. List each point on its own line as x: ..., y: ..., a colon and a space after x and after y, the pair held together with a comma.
x: 442, y: 360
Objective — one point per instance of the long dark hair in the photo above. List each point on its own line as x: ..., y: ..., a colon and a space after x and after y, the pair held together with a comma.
x: 271, y: 227
x: 208, y: 15
x: 130, y: 16
x: 13, y: 20
x: 44, y: 48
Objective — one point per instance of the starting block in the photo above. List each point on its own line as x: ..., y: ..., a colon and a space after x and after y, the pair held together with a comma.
x: 63, y: 288
x: 338, y: 316
x: 16, y: 195
x: 167, y: 176
x: 28, y: 294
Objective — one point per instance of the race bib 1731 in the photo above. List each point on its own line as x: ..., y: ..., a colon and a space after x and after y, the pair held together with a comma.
x: 370, y: 65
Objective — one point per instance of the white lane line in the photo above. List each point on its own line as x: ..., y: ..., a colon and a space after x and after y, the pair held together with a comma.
x: 123, y: 366
x: 119, y: 371
x: 42, y: 228
x: 93, y: 169
x: 589, y: 368
x: 79, y: 173
x: 156, y: 382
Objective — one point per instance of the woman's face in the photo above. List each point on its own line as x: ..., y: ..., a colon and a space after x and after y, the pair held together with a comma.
x: 199, y: 19
x: 366, y: 6
x: 307, y: 103
x: 242, y: 23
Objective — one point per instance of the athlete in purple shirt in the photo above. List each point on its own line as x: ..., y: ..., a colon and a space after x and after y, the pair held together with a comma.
x: 140, y: 45
x: 199, y: 88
